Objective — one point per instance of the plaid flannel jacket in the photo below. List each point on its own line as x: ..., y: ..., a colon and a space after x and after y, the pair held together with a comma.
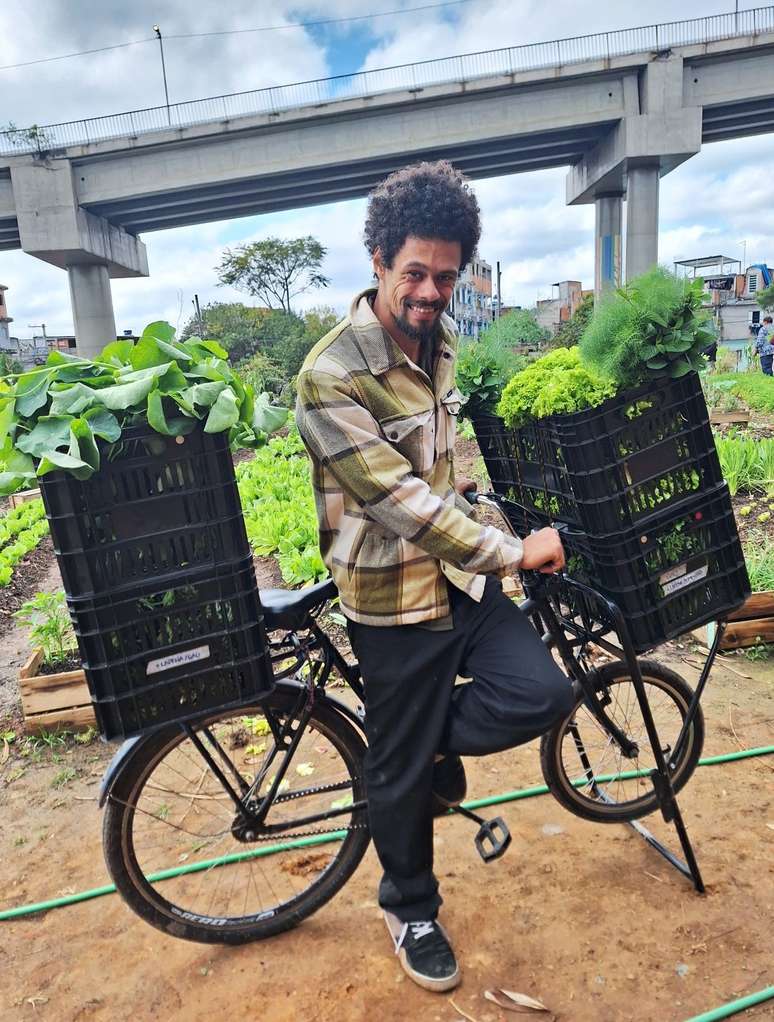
x: 380, y: 435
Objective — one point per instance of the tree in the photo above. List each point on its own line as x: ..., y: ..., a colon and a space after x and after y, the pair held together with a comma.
x: 569, y: 333
x: 239, y: 328
x: 517, y: 327
x: 765, y: 298
x: 273, y: 270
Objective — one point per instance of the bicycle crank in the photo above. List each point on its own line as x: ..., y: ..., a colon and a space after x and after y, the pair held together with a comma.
x: 493, y: 836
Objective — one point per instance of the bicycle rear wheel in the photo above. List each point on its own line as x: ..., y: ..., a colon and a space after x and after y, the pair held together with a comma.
x: 177, y: 846
x: 585, y: 769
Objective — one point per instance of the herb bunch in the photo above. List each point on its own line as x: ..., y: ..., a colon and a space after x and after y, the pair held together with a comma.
x: 653, y: 327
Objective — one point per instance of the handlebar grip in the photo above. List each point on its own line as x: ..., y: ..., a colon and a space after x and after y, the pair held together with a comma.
x: 471, y: 496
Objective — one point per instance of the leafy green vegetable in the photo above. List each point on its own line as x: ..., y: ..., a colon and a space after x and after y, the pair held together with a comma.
x: 653, y: 327
x: 52, y: 417
x: 483, y: 369
x: 279, y: 510
x: 20, y: 532
x: 554, y: 384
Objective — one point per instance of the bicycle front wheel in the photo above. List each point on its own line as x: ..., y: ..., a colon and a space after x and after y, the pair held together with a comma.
x: 183, y: 857
x: 584, y: 767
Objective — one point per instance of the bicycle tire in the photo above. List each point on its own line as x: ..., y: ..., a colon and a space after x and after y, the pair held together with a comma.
x: 182, y: 905
x: 617, y: 799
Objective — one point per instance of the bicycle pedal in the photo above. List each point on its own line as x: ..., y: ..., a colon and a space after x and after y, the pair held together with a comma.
x: 492, y: 839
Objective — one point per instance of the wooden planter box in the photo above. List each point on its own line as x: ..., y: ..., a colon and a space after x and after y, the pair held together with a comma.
x: 15, y: 499
x: 729, y: 418
x: 54, y: 701
x: 752, y: 624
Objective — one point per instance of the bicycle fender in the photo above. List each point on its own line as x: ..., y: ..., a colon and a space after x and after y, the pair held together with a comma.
x: 130, y: 747
x: 116, y: 765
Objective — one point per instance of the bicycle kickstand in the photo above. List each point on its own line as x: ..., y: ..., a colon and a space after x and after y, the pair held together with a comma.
x: 493, y: 836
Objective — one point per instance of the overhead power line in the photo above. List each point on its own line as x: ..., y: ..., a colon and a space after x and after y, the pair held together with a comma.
x: 240, y: 31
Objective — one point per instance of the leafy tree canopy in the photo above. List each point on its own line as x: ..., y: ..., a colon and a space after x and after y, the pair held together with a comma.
x: 517, y: 327
x: 765, y: 298
x: 275, y: 270
x: 569, y: 333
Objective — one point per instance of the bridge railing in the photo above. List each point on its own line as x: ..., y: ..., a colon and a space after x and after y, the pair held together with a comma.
x: 464, y: 68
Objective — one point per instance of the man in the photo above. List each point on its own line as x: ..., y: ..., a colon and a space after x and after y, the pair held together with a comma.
x: 417, y: 577
x: 764, y: 346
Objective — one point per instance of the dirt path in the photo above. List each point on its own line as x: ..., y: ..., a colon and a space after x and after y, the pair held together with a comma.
x: 585, y: 917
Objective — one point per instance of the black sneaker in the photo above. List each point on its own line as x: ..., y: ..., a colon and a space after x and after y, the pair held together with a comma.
x: 449, y: 784
x: 424, y: 952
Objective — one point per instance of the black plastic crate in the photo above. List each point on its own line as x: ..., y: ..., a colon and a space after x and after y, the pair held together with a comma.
x: 158, y: 506
x: 682, y: 570
x: 610, y: 467
x: 177, y: 699
x: 170, y: 650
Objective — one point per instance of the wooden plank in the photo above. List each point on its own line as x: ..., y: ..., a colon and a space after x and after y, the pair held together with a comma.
x: 54, y: 692
x: 16, y: 499
x: 748, y: 633
x: 756, y: 605
x: 30, y: 669
x: 729, y: 418
x: 78, y: 718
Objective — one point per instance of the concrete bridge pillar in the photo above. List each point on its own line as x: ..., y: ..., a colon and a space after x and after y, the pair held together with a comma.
x: 607, y: 243
x: 641, y: 218
x: 92, y: 302
x: 54, y: 227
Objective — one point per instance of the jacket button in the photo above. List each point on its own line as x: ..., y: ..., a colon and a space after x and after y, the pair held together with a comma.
x: 393, y: 436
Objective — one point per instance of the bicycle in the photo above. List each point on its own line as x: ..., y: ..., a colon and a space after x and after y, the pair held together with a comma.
x: 238, y: 825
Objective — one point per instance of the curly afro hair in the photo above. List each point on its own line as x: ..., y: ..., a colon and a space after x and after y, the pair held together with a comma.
x: 426, y: 200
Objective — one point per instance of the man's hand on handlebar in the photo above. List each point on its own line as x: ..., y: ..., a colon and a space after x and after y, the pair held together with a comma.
x: 543, y: 552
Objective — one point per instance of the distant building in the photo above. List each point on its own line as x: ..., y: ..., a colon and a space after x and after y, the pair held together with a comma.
x: 31, y: 351
x: 731, y: 296
x: 471, y: 306
x: 566, y: 296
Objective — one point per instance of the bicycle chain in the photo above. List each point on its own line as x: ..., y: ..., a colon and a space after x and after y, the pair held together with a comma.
x: 290, y: 796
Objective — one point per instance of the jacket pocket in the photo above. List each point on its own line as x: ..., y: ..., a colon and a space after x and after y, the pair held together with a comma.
x: 397, y: 428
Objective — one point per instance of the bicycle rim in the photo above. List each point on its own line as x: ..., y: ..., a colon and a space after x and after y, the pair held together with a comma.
x: 584, y: 767
x: 178, y: 849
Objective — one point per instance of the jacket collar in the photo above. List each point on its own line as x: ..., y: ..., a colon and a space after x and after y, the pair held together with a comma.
x: 379, y: 350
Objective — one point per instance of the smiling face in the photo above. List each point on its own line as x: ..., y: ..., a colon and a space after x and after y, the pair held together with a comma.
x: 416, y: 289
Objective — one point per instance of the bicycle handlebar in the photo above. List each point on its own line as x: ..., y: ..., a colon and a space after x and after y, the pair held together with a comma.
x: 473, y: 497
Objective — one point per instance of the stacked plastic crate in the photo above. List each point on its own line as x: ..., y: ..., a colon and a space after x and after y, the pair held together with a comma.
x: 159, y: 580
x: 639, y: 479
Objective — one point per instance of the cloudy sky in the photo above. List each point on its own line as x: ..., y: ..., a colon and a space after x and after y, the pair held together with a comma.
x: 717, y: 202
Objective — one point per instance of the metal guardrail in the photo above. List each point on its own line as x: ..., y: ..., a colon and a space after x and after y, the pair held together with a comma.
x: 464, y: 68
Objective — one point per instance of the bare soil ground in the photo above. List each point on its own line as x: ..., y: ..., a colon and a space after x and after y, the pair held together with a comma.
x: 585, y: 917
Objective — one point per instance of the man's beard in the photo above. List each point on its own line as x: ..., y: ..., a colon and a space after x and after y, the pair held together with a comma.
x: 423, y: 333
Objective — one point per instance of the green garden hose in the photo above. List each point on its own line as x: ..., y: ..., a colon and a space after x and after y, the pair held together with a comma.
x: 733, y: 1007
x: 338, y: 835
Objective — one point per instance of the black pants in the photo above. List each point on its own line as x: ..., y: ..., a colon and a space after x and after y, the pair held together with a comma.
x: 766, y: 361
x: 414, y: 710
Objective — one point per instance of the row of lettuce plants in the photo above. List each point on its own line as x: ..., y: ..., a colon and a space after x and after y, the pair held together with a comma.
x: 279, y: 511
x: 21, y: 529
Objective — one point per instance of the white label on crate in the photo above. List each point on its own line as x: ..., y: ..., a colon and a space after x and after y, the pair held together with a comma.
x: 683, y: 580
x: 673, y: 573
x: 166, y: 663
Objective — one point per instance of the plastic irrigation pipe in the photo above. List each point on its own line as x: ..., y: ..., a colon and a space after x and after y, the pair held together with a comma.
x: 338, y: 835
x: 734, y: 1006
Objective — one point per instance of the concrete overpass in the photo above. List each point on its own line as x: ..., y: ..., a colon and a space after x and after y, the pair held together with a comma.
x: 621, y: 109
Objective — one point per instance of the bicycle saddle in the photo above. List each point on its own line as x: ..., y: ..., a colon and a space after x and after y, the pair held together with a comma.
x: 288, y: 608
